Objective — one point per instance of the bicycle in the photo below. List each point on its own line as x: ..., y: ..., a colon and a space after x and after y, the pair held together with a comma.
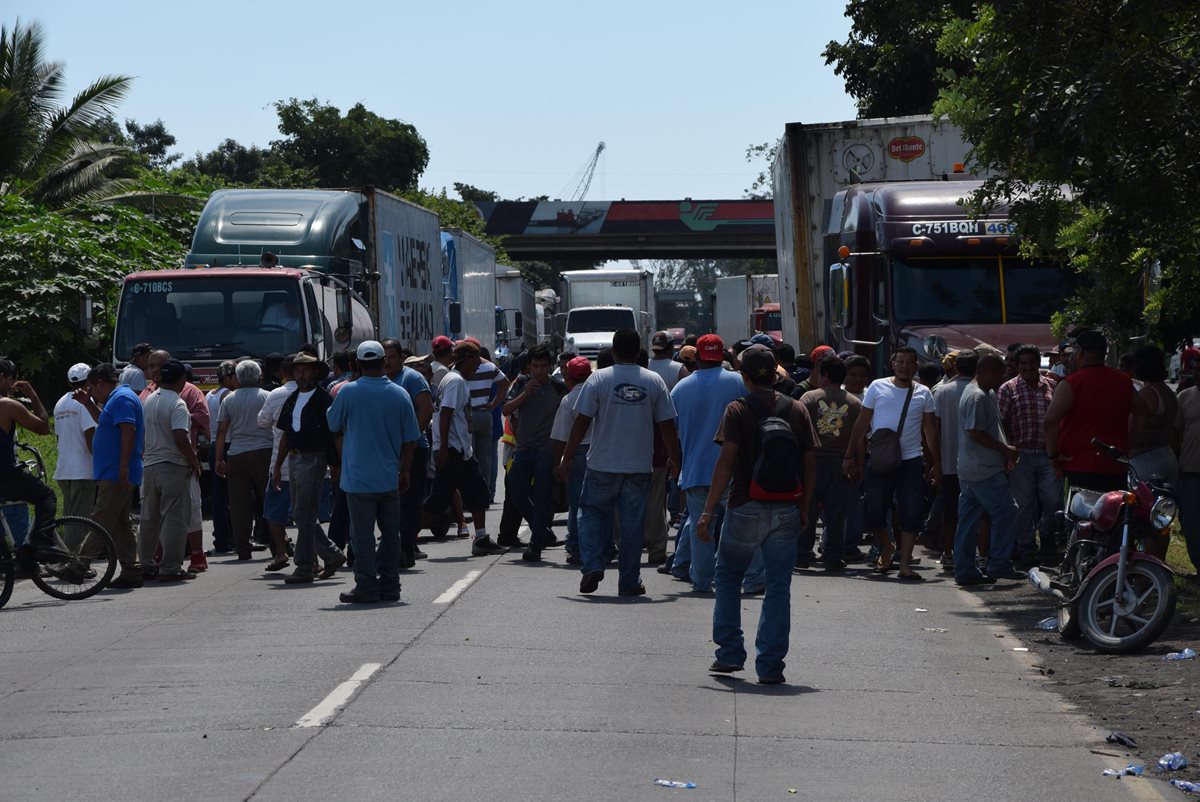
x: 80, y: 563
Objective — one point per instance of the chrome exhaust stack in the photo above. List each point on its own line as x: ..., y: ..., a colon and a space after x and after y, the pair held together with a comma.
x: 1041, y: 583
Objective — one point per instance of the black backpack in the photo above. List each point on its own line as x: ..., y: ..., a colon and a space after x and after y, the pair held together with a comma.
x: 777, y: 469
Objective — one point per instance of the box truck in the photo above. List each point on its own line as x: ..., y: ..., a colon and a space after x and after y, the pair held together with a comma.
x: 596, y: 303
x: 746, y: 305
x: 469, y: 270
x: 877, y: 249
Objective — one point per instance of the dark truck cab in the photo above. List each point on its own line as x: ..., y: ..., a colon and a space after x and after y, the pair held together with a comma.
x: 908, y: 266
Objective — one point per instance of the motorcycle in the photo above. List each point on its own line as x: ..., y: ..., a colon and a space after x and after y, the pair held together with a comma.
x: 1109, y: 590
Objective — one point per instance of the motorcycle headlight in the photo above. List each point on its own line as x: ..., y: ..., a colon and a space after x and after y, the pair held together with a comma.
x: 1163, y: 513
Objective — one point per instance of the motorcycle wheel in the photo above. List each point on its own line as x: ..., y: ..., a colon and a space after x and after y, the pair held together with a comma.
x: 1068, y: 622
x: 1154, y: 596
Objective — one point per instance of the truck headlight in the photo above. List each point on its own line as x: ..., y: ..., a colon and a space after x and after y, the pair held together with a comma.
x: 1163, y: 513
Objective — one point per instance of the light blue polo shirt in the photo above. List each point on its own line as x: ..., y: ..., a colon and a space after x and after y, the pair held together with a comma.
x: 375, y: 418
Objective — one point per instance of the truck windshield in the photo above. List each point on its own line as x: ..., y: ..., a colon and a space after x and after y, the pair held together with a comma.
x: 953, y: 290
x: 210, y: 316
x: 600, y: 319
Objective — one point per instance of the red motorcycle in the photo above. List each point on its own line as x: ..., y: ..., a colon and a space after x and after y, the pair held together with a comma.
x: 1116, y: 595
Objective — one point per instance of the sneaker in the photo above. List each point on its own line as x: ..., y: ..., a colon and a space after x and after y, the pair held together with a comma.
x: 722, y: 668
x: 854, y: 555
x: 420, y: 555
x: 947, y: 561
x: 590, y: 582
x: 176, y: 576
x: 640, y: 590
x: 511, y: 542
x: 198, y: 562
x: 531, y: 555
x: 574, y: 559
x: 805, y: 560
x: 485, y: 547
x: 552, y: 540
x: 834, y: 566
x: 126, y: 582
x: 981, y: 579
x: 298, y: 577
x: 464, y: 532
x: 331, y: 566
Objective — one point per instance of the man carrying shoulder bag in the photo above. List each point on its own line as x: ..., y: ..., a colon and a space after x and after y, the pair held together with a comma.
x: 896, y: 411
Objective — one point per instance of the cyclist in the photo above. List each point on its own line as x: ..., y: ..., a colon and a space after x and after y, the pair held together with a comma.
x: 17, y: 484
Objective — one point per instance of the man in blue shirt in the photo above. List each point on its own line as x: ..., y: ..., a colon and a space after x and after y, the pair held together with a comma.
x: 700, y: 400
x: 410, y: 502
x: 117, y: 449
x: 376, y: 432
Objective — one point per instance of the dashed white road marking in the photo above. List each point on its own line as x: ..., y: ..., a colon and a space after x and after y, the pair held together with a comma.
x: 337, y: 698
x: 455, y: 590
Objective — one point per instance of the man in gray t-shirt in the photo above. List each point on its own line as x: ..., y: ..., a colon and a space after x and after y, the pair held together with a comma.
x: 622, y: 404
x: 984, y: 459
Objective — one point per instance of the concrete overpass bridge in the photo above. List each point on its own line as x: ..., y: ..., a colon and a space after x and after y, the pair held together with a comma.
x: 675, y: 229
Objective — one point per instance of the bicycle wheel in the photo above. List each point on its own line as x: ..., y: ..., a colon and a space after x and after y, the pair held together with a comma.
x: 8, y: 574
x: 81, y: 562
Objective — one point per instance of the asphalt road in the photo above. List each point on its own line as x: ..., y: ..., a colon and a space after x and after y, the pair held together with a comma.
x: 519, y: 688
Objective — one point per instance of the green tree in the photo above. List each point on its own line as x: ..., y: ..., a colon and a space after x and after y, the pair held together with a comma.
x: 46, y: 153
x: 1088, y: 113
x: 152, y: 141
x: 352, y: 150
x: 230, y: 162
x: 890, y: 60
x: 471, y: 194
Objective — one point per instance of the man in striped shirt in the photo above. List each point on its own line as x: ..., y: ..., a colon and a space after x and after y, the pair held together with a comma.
x: 1023, y: 402
x: 480, y: 383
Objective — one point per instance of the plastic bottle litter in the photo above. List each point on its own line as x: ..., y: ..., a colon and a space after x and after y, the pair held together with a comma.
x: 1172, y: 762
x: 1186, y: 787
x: 1186, y: 654
x: 920, y: 610
x: 672, y: 783
x: 1049, y: 624
x: 1129, y: 771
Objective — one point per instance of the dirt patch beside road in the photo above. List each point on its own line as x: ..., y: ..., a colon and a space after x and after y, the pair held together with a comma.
x: 1157, y: 703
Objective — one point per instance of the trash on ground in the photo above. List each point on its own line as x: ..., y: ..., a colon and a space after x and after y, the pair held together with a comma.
x: 1129, y: 771
x: 1186, y: 787
x: 920, y: 610
x: 1020, y: 648
x: 936, y: 629
x: 1049, y: 624
x: 1172, y: 762
x: 1121, y: 738
x: 672, y: 783
x: 793, y: 791
x: 1186, y: 654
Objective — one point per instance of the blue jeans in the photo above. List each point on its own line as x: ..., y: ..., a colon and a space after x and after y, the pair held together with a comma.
x: 531, y: 478
x: 1035, y: 486
x: 375, y: 571
x: 775, y: 529
x: 602, y: 494
x: 574, y: 490
x: 703, y: 556
x: 993, y: 496
x: 681, y: 560
x: 1189, y: 514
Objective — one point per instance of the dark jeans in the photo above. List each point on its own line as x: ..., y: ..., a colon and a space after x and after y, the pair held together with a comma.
x: 905, y: 486
x: 219, y: 497
x: 531, y: 481
x: 339, y: 520
x: 19, y: 485
x: 832, y: 492
x: 411, y: 501
x: 375, y: 570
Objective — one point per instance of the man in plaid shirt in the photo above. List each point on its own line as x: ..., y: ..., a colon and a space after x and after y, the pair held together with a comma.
x: 1023, y: 403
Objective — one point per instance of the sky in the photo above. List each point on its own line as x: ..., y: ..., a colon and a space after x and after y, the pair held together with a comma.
x: 511, y: 96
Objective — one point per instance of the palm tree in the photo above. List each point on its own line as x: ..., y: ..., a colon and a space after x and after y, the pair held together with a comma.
x: 45, y: 152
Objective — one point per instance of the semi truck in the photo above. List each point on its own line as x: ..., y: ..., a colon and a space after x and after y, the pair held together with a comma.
x: 469, y: 281
x: 747, y: 305
x: 516, y: 310
x: 351, y: 265
x: 877, y: 248
x: 598, y: 302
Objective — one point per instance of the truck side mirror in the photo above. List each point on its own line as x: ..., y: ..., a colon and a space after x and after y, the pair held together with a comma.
x: 345, y: 315
x: 518, y: 324
x: 837, y: 296
x: 455, y: 316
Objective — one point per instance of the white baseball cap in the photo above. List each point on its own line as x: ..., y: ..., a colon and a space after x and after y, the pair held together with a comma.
x: 78, y: 372
x: 370, y: 350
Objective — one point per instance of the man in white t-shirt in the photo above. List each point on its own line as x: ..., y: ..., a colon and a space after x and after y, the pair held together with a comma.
x: 74, y: 427
x: 884, y: 405
x: 454, y: 452
x: 621, y: 404
x: 662, y: 363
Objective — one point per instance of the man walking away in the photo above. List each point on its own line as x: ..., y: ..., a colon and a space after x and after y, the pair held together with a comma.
x: 533, y: 402
x: 414, y: 384
x: 768, y: 463
x: 1024, y: 401
x: 984, y: 460
x: 170, y: 463
x: 945, y: 407
x: 622, y: 404
x: 667, y: 368
x: 307, y: 444
x: 454, y: 451
x: 376, y: 431
x: 834, y: 412
x: 74, y: 429
x: 577, y: 371
x: 700, y: 401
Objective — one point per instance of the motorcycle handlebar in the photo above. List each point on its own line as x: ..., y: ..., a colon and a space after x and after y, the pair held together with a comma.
x: 1112, y: 451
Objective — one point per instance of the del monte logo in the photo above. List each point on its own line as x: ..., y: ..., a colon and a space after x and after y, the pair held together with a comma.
x: 906, y: 148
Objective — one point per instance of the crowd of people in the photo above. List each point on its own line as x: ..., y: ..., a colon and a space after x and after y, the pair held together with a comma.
x: 762, y: 460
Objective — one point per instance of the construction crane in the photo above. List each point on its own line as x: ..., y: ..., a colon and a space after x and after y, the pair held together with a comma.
x: 580, y: 190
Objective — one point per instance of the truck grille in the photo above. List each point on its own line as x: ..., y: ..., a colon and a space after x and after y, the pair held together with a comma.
x: 591, y: 352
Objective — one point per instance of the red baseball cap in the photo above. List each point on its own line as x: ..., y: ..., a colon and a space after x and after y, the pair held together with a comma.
x: 822, y: 352
x: 579, y: 368
x: 441, y: 343
x: 710, y: 348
